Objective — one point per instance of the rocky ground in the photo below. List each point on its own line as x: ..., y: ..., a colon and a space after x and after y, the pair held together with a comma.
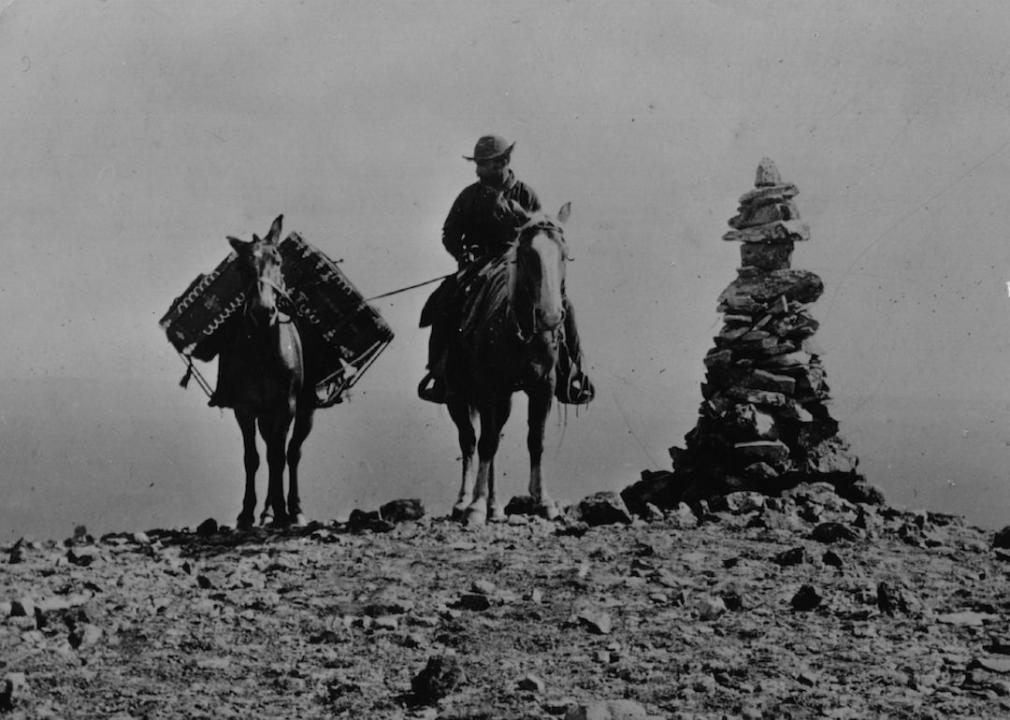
x: 803, y: 606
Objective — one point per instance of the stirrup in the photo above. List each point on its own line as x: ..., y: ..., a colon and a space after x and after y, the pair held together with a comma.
x: 431, y: 389
x: 579, y: 390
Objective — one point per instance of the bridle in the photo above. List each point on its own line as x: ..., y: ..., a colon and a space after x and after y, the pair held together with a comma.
x: 555, y: 233
x: 280, y: 291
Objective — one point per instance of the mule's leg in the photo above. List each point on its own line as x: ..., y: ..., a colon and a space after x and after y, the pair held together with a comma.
x: 247, y: 423
x: 300, y: 431
x: 540, y: 398
x: 275, y: 434
x: 463, y: 416
x: 495, y: 510
x: 493, y: 416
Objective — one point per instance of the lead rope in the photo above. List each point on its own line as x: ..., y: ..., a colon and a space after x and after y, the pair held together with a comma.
x: 409, y: 287
x: 191, y: 372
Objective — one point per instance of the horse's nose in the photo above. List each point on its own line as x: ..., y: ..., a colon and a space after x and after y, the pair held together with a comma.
x: 550, y: 318
x: 264, y: 316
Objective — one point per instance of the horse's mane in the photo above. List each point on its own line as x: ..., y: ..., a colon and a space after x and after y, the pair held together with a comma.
x: 486, y: 306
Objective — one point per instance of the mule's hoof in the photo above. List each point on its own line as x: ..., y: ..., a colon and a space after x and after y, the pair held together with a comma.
x: 275, y: 520
x: 244, y: 522
x: 459, y: 512
x: 496, y: 514
x: 299, y: 520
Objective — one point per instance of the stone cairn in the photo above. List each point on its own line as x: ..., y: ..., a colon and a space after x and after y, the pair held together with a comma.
x: 764, y: 423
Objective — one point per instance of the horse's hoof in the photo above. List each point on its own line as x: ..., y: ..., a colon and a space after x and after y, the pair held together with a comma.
x: 549, y: 509
x: 459, y: 512
x: 496, y: 514
x: 299, y: 520
x: 475, y: 515
x: 244, y: 522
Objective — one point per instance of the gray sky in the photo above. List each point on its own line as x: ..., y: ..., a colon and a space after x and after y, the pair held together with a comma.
x: 138, y: 134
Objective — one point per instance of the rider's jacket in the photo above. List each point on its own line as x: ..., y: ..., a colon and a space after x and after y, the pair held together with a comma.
x: 476, y: 224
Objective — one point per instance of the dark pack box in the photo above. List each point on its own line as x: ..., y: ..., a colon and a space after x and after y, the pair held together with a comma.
x: 195, y: 316
x: 342, y: 335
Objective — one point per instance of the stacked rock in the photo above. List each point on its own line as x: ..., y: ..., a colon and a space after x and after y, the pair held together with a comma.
x: 764, y: 423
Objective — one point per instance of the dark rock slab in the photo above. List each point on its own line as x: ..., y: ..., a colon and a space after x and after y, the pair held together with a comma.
x: 758, y: 292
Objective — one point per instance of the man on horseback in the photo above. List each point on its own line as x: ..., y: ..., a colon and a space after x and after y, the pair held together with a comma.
x: 479, y: 227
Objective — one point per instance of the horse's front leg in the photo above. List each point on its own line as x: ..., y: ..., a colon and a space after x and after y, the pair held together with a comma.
x: 540, y: 398
x: 464, y: 416
x: 493, y: 416
x: 275, y: 432
x: 300, y: 431
x: 251, y: 460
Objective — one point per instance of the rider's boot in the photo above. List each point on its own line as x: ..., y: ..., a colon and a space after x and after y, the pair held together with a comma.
x: 573, y: 387
x: 222, y: 395
x: 432, y: 386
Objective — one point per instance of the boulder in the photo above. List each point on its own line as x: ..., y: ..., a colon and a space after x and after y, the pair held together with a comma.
x: 830, y: 532
x: 603, y: 508
x: 759, y: 291
x: 767, y: 257
x: 207, y: 528
x: 608, y: 710
x: 1002, y: 538
x: 597, y: 622
x: 767, y: 174
x: 739, y: 503
x: 656, y: 487
x: 440, y: 676
x: 764, y: 380
x: 769, y: 193
x: 768, y: 451
x: 398, y: 511
x: 806, y: 598
x: 778, y: 231
x: 868, y: 494
x: 753, y: 215
x: 13, y: 689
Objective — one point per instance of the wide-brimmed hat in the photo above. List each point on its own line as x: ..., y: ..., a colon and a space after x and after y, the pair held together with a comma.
x: 490, y: 147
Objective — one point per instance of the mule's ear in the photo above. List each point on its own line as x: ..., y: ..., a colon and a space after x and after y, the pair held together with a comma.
x: 237, y: 245
x: 565, y: 212
x: 274, y: 235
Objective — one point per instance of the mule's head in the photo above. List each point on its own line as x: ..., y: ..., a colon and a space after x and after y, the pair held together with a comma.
x: 540, y: 272
x: 259, y: 262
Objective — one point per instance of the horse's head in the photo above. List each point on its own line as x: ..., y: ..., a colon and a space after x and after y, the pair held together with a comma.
x: 541, y: 253
x: 259, y: 262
